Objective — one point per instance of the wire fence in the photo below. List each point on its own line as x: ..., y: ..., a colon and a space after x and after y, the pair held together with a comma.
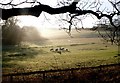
x: 57, y: 76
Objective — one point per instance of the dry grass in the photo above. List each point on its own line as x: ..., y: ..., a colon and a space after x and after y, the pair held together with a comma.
x: 110, y: 74
x: 83, y: 52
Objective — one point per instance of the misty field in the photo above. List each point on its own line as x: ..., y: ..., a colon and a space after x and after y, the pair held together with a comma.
x: 84, y: 49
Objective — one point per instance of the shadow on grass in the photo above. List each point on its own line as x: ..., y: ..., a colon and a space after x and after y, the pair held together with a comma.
x: 16, y: 53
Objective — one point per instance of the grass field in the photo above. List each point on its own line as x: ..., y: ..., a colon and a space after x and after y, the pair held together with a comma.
x: 85, y: 49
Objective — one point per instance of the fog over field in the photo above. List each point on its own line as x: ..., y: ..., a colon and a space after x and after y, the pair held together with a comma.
x: 54, y: 33
x: 61, y: 37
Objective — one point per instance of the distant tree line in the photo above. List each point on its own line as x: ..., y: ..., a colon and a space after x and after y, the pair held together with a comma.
x: 13, y: 34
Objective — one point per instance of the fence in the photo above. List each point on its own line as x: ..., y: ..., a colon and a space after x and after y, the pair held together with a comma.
x: 43, y: 74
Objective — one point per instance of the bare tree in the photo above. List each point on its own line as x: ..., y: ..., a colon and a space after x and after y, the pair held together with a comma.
x: 74, y: 8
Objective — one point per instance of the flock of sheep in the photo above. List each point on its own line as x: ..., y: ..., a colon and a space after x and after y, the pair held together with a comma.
x: 59, y: 50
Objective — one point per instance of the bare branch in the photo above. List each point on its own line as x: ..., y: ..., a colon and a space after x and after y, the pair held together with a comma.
x: 70, y: 7
x: 114, y: 5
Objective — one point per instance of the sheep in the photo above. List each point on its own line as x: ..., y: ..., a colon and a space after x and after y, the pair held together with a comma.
x: 67, y: 50
x: 62, y: 48
x: 56, y: 49
x: 51, y: 49
x: 59, y: 50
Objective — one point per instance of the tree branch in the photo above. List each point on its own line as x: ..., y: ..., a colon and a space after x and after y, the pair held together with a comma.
x: 36, y: 10
x: 6, y: 13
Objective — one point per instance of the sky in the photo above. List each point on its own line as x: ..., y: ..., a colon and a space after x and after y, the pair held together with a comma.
x: 47, y: 20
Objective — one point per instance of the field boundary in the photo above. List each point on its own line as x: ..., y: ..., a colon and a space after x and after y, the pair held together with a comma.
x: 43, y: 73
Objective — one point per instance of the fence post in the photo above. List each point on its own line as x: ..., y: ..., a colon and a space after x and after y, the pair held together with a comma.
x: 11, y: 79
x: 44, y: 77
x: 72, y: 72
x: 100, y: 68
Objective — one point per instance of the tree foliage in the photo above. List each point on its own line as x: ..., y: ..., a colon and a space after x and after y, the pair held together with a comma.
x: 12, y: 34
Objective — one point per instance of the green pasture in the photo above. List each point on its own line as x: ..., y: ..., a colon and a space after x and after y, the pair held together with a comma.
x: 83, y: 52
